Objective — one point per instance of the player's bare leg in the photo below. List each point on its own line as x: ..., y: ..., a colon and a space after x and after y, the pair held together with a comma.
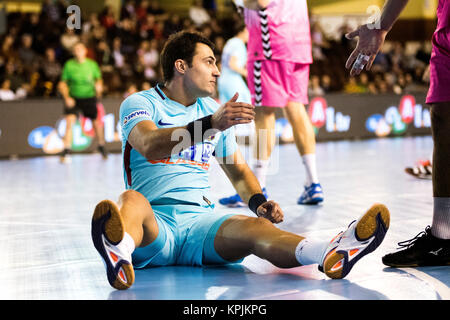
x: 240, y: 236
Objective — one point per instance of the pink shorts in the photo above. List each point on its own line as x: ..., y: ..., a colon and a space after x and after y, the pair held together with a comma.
x: 274, y: 83
x: 440, y: 68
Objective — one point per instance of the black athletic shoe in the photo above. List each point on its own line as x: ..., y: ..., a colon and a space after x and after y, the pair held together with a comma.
x: 422, y: 171
x: 103, y: 152
x: 423, y: 250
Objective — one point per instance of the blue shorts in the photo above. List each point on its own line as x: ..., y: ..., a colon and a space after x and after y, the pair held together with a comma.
x: 186, y: 237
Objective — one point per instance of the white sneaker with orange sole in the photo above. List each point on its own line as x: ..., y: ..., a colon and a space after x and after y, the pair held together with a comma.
x: 362, y: 237
x: 113, y: 244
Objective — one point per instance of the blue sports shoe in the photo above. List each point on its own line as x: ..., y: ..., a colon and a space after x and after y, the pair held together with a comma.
x: 235, y: 201
x: 312, y: 194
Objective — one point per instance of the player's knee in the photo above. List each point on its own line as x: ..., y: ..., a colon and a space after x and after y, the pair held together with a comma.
x: 262, y: 223
x: 250, y: 227
x: 130, y: 195
x: 134, y: 198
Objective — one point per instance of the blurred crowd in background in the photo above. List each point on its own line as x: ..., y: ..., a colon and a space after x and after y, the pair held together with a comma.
x: 36, y: 45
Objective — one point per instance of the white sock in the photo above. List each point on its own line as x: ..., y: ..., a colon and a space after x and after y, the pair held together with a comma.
x: 260, y: 170
x: 311, y: 251
x: 440, y: 227
x: 126, y: 245
x: 309, y: 161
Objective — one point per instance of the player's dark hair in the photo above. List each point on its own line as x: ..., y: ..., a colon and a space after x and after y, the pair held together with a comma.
x: 180, y: 45
x: 239, y: 26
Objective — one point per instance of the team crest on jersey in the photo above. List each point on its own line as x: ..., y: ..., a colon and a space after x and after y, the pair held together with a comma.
x: 135, y: 114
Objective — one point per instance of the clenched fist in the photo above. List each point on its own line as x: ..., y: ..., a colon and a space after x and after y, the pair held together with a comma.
x: 271, y: 211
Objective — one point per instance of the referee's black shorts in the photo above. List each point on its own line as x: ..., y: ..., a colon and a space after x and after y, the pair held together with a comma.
x: 87, y: 106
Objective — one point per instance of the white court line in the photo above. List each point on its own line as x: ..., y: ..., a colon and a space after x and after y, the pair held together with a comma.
x: 441, y: 288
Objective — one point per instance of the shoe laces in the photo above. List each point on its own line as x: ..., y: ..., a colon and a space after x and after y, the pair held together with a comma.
x: 420, y: 236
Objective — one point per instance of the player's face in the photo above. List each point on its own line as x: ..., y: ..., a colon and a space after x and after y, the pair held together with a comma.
x: 201, y: 78
x: 80, y: 51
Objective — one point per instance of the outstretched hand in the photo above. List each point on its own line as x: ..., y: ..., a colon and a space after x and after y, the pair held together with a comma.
x: 370, y: 41
x: 232, y: 113
x: 271, y: 211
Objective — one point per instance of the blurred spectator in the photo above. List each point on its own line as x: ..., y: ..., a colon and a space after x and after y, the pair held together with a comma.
x: 26, y: 54
x: 7, y: 50
x: 131, y: 88
x: 372, y: 88
x: 148, y: 59
x: 117, y: 44
x: 142, y: 10
x: 33, y: 26
x: 129, y: 35
x: 159, y: 31
x: 15, y: 80
x: 96, y: 30
x: 107, y: 18
x: 14, y: 74
x: 6, y: 94
x: 400, y: 85
x: 326, y: 83
x: 148, y: 27
x: 314, y: 88
x: 390, y: 79
x: 364, y: 82
x: 128, y: 10
x: 68, y: 39
x: 318, y: 41
x: 89, y: 24
x: 156, y: 10
x: 382, y: 61
x: 210, y: 6
x: 216, y: 29
x: 50, y: 72
x: 383, y: 87
x: 118, y: 57
x: 198, y: 14
x: 172, y: 25
x: 412, y: 86
x: 219, y: 43
x: 346, y: 43
x: 104, y: 57
x: 353, y: 86
x: 423, y: 54
x: 397, y: 57
x: 51, y: 10
x: 146, y: 85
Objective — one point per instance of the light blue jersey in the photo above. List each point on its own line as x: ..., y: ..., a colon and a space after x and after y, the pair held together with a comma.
x: 177, y: 187
x: 230, y: 81
x: 183, y: 177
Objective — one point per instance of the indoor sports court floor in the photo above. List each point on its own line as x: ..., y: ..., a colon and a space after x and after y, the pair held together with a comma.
x: 46, y: 249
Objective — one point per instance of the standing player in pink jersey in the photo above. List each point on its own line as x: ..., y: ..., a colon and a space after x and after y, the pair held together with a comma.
x: 279, y: 55
x: 432, y: 246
